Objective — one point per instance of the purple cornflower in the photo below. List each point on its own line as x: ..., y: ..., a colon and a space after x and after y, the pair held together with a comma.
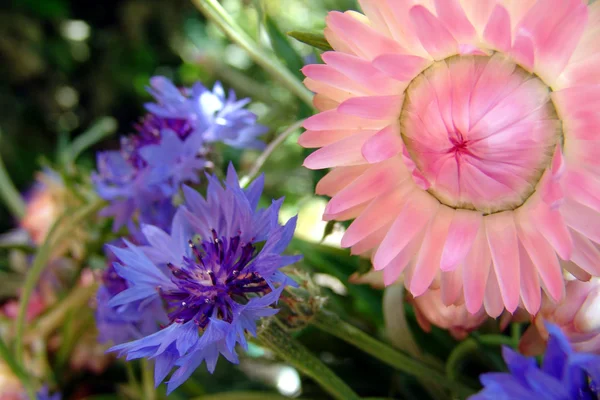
x: 44, y: 394
x: 165, y: 151
x: 217, y: 272
x: 127, y: 322
x: 564, y: 374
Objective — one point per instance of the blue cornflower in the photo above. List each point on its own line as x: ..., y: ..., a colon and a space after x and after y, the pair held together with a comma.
x: 44, y: 394
x: 564, y: 374
x: 218, y: 271
x: 166, y: 150
x: 127, y: 322
x: 218, y: 116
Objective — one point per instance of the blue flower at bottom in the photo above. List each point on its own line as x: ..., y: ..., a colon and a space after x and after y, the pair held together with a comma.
x: 218, y: 271
x: 563, y: 375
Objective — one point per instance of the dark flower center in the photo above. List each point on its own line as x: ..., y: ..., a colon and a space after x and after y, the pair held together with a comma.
x: 148, y: 132
x: 214, y: 280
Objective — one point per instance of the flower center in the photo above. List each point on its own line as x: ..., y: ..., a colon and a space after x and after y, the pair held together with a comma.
x: 214, y: 281
x: 480, y: 131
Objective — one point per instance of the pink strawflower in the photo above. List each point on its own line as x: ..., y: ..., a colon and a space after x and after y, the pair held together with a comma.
x: 464, y: 139
x: 430, y: 310
x: 578, y: 316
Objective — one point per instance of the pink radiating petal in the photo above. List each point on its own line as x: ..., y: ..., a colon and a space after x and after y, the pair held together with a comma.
x: 584, y: 187
x: 372, y: 107
x: 554, y: 28
x: 323, y: 103
x: 313, y: 139
x: 430, y: 253
x: 503, y: 242
x: 413, y: 218
x: 336, y: 42
x: 403, y: 259
x: 375, y: 181
x: 452, y: 15
x: 361, y: 71
x: 531, y: 292
x: 523, y: 52
x: 577, y: 102
x: 586, y: 254
x: 399, y: 66
x: 329, y: 75
x: 452, y: 285
x: 461, y: 236
x: 552, y: 226
x: 492, y: 301
x: 399, y: 10
x: 582, y: 219
x: 434, y: 37
x: 346, y: 214
x: 379, y: 213
x: 343, y: 153
x: 478, y: 12
x: 334, y: 94
x: 392, y: 273
x: 363, y: 39
x: 383, y: 145
x: 333, y: 120
x: 543, y: 258
x: 338, y: 179
x: 376, y: 14
x: 498, y: 32
x: 371, y: 241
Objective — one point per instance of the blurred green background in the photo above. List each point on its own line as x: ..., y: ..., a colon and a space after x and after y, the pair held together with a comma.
x: 63, y: 64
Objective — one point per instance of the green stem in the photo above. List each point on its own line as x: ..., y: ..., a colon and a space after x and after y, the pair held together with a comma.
x: 275, y: 338
x: 515, y: 333
x: 16, y: 369
x: 260, y: 161
x: 333, y: 325
x: 217, y: 14
x: 132, y: 379
x: 101, y: 129
x: 9, y: 193
x: 53, y: 319
x: 148, y: 380
x: 458, y: 354
x: 495, y: 340
x: 54, y: 237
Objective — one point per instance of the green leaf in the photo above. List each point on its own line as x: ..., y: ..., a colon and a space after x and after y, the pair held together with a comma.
x: 314, y: 39
x: 283, y: 48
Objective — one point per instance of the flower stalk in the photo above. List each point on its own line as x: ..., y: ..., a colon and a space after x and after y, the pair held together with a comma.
x: 9, y: 193
x: 60, y: 230
x: 260, y: 161
x: 148, y: 380
x: 276, y: 339
x: 53, y: 319
x: 217, y: 14
x: 332, y: 324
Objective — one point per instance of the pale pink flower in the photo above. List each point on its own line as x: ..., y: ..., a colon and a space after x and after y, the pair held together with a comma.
x: 578, y: 316
x: 431, y: 310
x: 42, y: 210
x: 464, y: 137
